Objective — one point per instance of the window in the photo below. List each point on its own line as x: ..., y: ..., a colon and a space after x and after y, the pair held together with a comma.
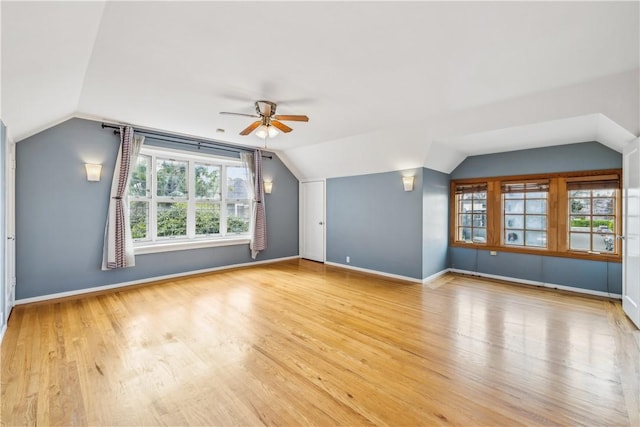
x: 572, y: 214
x: 592, y: 214
x: 524, y: 207
x: 180, y: 197
x: 471, y: 218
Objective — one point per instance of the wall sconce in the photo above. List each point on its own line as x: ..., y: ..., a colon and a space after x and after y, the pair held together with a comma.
x: 407, y: 182
x: 268, y: 186
x: 93, y: 171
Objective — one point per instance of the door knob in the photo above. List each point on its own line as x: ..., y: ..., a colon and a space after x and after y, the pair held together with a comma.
x: 320, y: 223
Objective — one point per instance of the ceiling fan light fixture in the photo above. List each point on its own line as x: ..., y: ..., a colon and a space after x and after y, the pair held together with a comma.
x: 262, y: 131
x: 265, y: 131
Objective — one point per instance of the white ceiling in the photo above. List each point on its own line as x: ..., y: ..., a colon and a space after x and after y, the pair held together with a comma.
x: 386, y: 85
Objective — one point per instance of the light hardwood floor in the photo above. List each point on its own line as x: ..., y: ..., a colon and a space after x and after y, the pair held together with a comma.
x: 297, y: 343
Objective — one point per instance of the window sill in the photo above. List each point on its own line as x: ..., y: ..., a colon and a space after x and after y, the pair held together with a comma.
x: 144, y: 248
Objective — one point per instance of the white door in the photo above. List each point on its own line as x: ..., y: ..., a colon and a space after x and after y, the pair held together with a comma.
x: 631, y: 232
x: 312, y: 220
x: 10, y: 252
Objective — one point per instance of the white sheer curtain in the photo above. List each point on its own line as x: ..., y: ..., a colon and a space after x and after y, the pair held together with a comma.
x: 253, y: 163
x: 118, y: 244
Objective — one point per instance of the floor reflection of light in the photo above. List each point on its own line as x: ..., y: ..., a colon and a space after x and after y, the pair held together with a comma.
x: 471, y: 329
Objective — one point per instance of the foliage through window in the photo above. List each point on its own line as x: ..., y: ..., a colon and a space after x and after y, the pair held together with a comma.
x: 181, y: 196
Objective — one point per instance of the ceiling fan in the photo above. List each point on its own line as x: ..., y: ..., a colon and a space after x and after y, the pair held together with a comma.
x: 269, y: 122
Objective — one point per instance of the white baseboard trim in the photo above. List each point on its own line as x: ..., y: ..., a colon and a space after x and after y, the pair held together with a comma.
x: 376, y: 272
x: 146, y: 280
x: 536, y: 283
x: 435, y: 276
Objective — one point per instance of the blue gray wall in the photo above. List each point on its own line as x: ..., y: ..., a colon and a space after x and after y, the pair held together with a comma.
x: 381, y: 227
x: 60, y: 216
x: 435, y: 222
x: 591, y: 275
x: 560, y: 158
x: 600, y: 276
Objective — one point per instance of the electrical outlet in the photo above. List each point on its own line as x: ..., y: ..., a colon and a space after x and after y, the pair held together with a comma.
x: 348, y: 259
x: 493, y: 253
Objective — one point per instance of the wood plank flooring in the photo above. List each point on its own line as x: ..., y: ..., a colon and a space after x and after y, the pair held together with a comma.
x: 301, y: 343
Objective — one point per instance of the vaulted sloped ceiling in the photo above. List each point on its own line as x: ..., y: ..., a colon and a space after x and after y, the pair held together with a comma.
x: 387, y: 85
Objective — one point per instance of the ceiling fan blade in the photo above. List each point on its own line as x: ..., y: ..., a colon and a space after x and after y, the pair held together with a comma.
x: 250, y: 128
x: 238, y: 114
x: 293, y: 118
x: 284, y: 128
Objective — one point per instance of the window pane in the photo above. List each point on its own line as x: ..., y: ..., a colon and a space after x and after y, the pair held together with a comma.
x: 536, y: 222
x: 465, y: 219
x: 207, y: 218
x: 536, y: 238
x: 479, y: 235
x: 464, y: 234
x: 580, y: 206
x: 514, y: 195
x: 479, y: 220
x: 594, y: 214
x: 138, y: 184
x: 536, y: 206
x: 238, y: 217
x: 479, y: 205
x: 172, y: 219
x: 472, y: 217
x: 514, y: 206
x: 139, y: 219
x: 604, y: 193
x: 580, y: 223
x: 537, y: 195
x: 603, y: 224
x: 465, y: 206
x: 514, y: 221
x: 237, y: 180
x: 579, y: 193
x: 207, y: 182
x: 603, y: 206
x: 514, y: 237
x: 603, y: 242
x: 580, y: 241
x: 172, y: 178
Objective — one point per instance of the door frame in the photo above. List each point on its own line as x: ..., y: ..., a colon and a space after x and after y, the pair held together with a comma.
x: 302, y: 222
x: 629, y: 306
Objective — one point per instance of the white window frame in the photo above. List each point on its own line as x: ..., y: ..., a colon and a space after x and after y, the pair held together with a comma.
x: 154, y: 244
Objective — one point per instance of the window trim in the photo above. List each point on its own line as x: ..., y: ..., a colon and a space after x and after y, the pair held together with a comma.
x: 191, y: 240
x: 557, y: 214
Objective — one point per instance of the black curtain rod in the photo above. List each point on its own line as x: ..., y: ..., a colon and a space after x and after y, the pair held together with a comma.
x: 195, y: 142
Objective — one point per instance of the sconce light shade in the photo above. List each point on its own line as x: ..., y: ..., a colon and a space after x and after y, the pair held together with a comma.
x: 407, y: 182
x: 93, y: 171
x: 268, y: 185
